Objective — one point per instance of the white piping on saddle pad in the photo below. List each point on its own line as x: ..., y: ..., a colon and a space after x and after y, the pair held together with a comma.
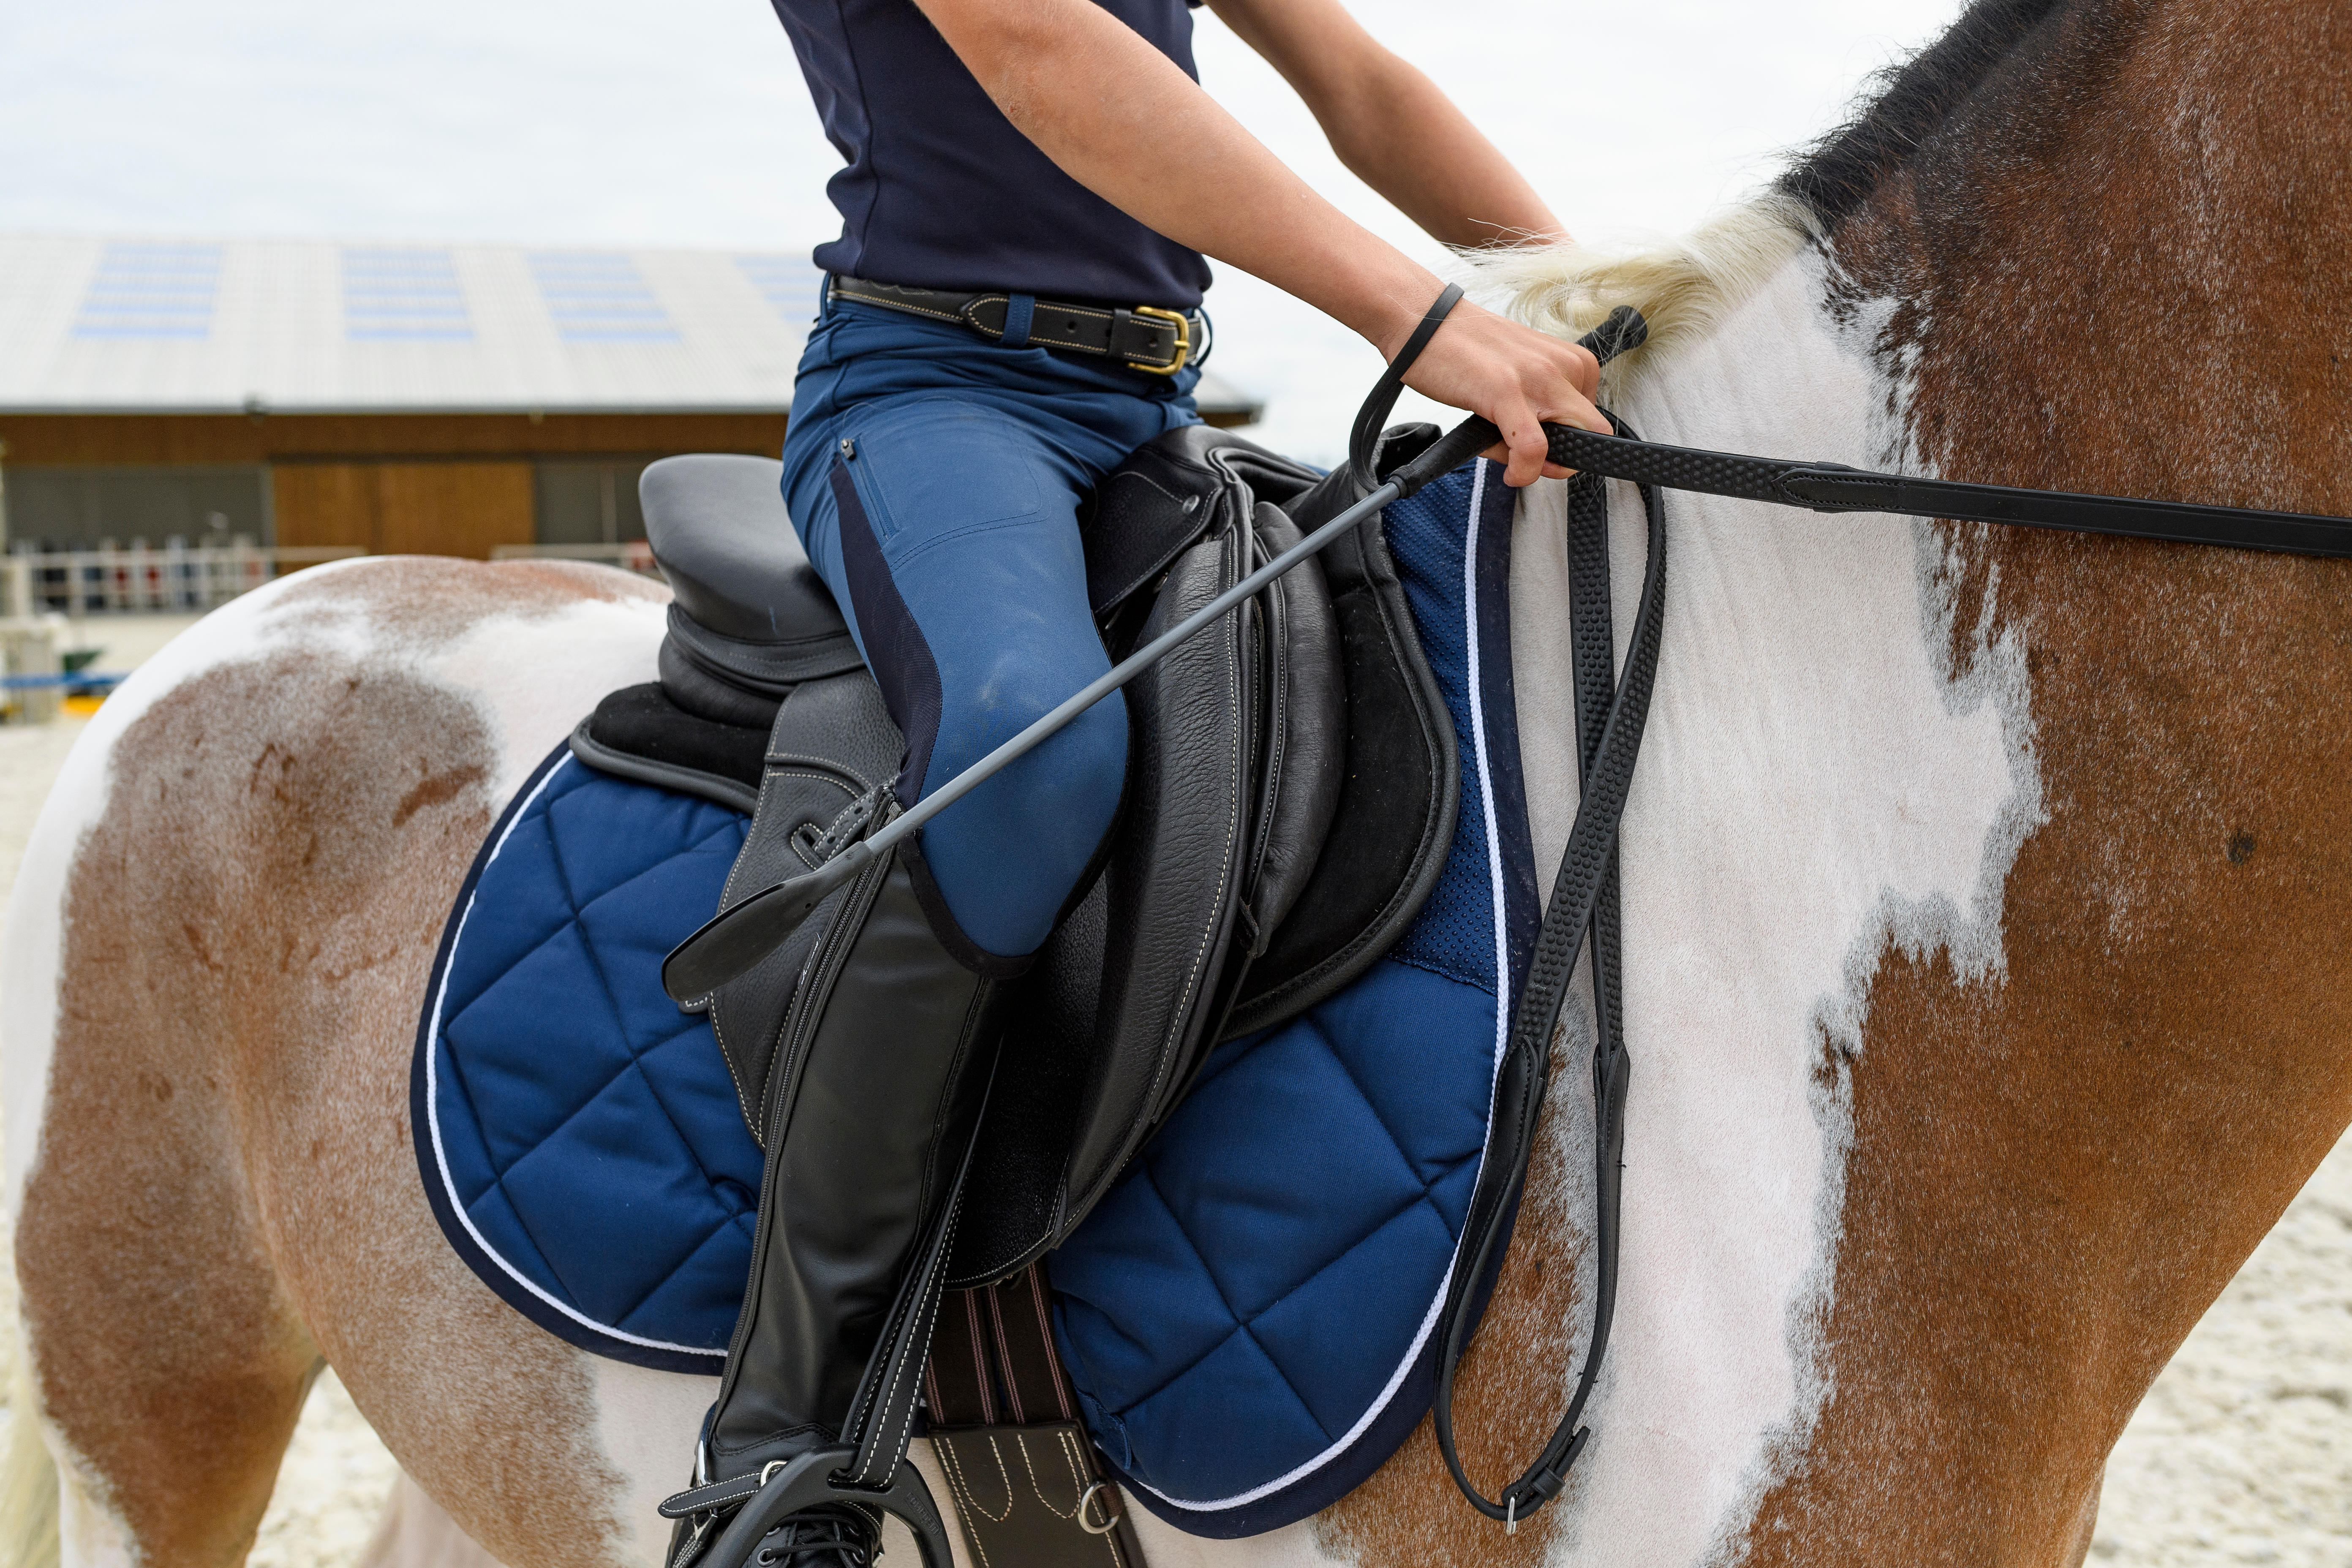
x: 1502, y: 1035
x: 433, y: 1107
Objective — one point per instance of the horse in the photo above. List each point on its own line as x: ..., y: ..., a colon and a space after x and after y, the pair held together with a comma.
x: 1985, y: 958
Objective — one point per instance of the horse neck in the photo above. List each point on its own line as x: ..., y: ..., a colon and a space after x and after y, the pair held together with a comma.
x: 2117, y: 265
x: 1820, y: 789
x: 1986, y: 970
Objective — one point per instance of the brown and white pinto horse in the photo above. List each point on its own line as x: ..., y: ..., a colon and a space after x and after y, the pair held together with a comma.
x: 1987, y: 930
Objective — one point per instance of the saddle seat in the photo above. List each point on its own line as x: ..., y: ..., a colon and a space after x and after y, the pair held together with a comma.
x: 1292, y: 790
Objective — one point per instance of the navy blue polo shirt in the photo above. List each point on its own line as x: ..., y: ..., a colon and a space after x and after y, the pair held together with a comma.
x: 941, y: 190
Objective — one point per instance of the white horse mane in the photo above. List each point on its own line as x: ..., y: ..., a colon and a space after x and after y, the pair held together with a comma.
x: 1683, y: 287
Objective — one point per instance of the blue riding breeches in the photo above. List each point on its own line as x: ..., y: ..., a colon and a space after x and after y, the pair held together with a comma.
x: 934, y: 477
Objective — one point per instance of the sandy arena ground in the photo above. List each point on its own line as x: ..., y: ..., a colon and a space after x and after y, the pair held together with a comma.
x: 2241, y: 1454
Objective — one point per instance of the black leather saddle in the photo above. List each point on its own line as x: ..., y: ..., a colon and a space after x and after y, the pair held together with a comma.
x: 1291, y: 792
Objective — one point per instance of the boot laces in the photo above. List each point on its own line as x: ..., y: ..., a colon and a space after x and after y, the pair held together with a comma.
x: 842, y: 1537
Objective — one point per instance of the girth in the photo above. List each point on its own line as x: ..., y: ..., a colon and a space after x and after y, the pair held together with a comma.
x: 1292, y: 786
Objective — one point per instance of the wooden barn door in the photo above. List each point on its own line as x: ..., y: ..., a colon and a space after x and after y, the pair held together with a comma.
x: 404, y: 508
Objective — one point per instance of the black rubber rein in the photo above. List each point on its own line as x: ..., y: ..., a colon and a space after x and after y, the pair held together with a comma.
x: 1583, y: 899
x: 1834, y: 488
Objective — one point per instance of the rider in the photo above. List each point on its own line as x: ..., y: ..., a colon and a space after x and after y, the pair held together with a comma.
x: 1059, y: 156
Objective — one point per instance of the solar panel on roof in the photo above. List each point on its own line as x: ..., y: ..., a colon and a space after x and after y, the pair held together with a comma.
x: 152, y: 292
x: 789, y: 284
x: 599, y: 297
x: 404, y: 294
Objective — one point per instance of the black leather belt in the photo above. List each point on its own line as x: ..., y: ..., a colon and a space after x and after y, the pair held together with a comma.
x: 1144, y: 338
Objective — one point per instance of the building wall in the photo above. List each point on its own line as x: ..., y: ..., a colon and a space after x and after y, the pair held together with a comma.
x: 442, y: 484
x: 211, y: 503
x: 447, y: 484
x: 404, y: 508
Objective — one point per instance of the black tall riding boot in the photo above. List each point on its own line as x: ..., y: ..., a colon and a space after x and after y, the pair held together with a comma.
x: 870, y: 1108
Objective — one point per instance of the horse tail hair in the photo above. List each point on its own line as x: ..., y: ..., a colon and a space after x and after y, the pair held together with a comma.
x: 28, y: 1473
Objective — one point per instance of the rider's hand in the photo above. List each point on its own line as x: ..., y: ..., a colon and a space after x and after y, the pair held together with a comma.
x: 1515, y: 376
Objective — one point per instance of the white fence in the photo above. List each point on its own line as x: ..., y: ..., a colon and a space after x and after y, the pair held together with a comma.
x: 176, y: 577
x: 31, y: 679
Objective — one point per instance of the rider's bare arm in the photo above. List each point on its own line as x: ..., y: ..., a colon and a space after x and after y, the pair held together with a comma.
x: 1122, y: 120
x: 1391, y: 126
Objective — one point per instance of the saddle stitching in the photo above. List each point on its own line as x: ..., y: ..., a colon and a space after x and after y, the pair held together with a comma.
x: 952, y: 1462
x: 902, y: 305
x: 1037, y: 1487
x: 735, y: 1082
x: 899, y: 1447
x: 1073, y: 1457
x: 1226, y: 652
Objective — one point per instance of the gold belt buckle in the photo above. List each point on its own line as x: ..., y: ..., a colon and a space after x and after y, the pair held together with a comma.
x: 1183, y: 340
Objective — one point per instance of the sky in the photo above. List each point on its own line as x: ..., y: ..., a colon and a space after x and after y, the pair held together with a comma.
x: 685, y: 122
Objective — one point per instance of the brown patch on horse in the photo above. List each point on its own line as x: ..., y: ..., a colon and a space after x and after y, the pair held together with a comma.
x: 2054, y: 1172
x: 250, y: 928
x: 1511, y: 1391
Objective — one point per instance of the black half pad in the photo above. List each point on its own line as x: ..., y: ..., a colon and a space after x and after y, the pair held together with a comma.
x: 640, y: 724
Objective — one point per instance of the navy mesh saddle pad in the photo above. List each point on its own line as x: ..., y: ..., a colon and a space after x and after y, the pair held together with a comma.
x: 1247, y: 1317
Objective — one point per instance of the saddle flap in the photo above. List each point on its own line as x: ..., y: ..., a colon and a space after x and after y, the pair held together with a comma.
x: 1305, y: 730
x: 1172, y: 877
x: 1126, y: 990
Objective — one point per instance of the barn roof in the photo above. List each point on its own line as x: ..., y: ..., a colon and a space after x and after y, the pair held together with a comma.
x: 196, y: 326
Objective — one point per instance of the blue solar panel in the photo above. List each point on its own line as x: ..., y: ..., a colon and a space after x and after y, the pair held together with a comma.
x: 456, y: 333
x: 426, y: 288
x: 403, y: 294
x: 140, y: 329
x: 150, y: 290
x: 789, y: 284
x: 201, y: 305
x: 620, y: 334
x: 599, y: 297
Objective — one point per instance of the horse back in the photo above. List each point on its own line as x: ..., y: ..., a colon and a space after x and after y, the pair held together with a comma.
x: 213, y: 961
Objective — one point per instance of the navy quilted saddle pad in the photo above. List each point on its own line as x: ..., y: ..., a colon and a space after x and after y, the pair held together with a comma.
x: 1247, y: 1317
